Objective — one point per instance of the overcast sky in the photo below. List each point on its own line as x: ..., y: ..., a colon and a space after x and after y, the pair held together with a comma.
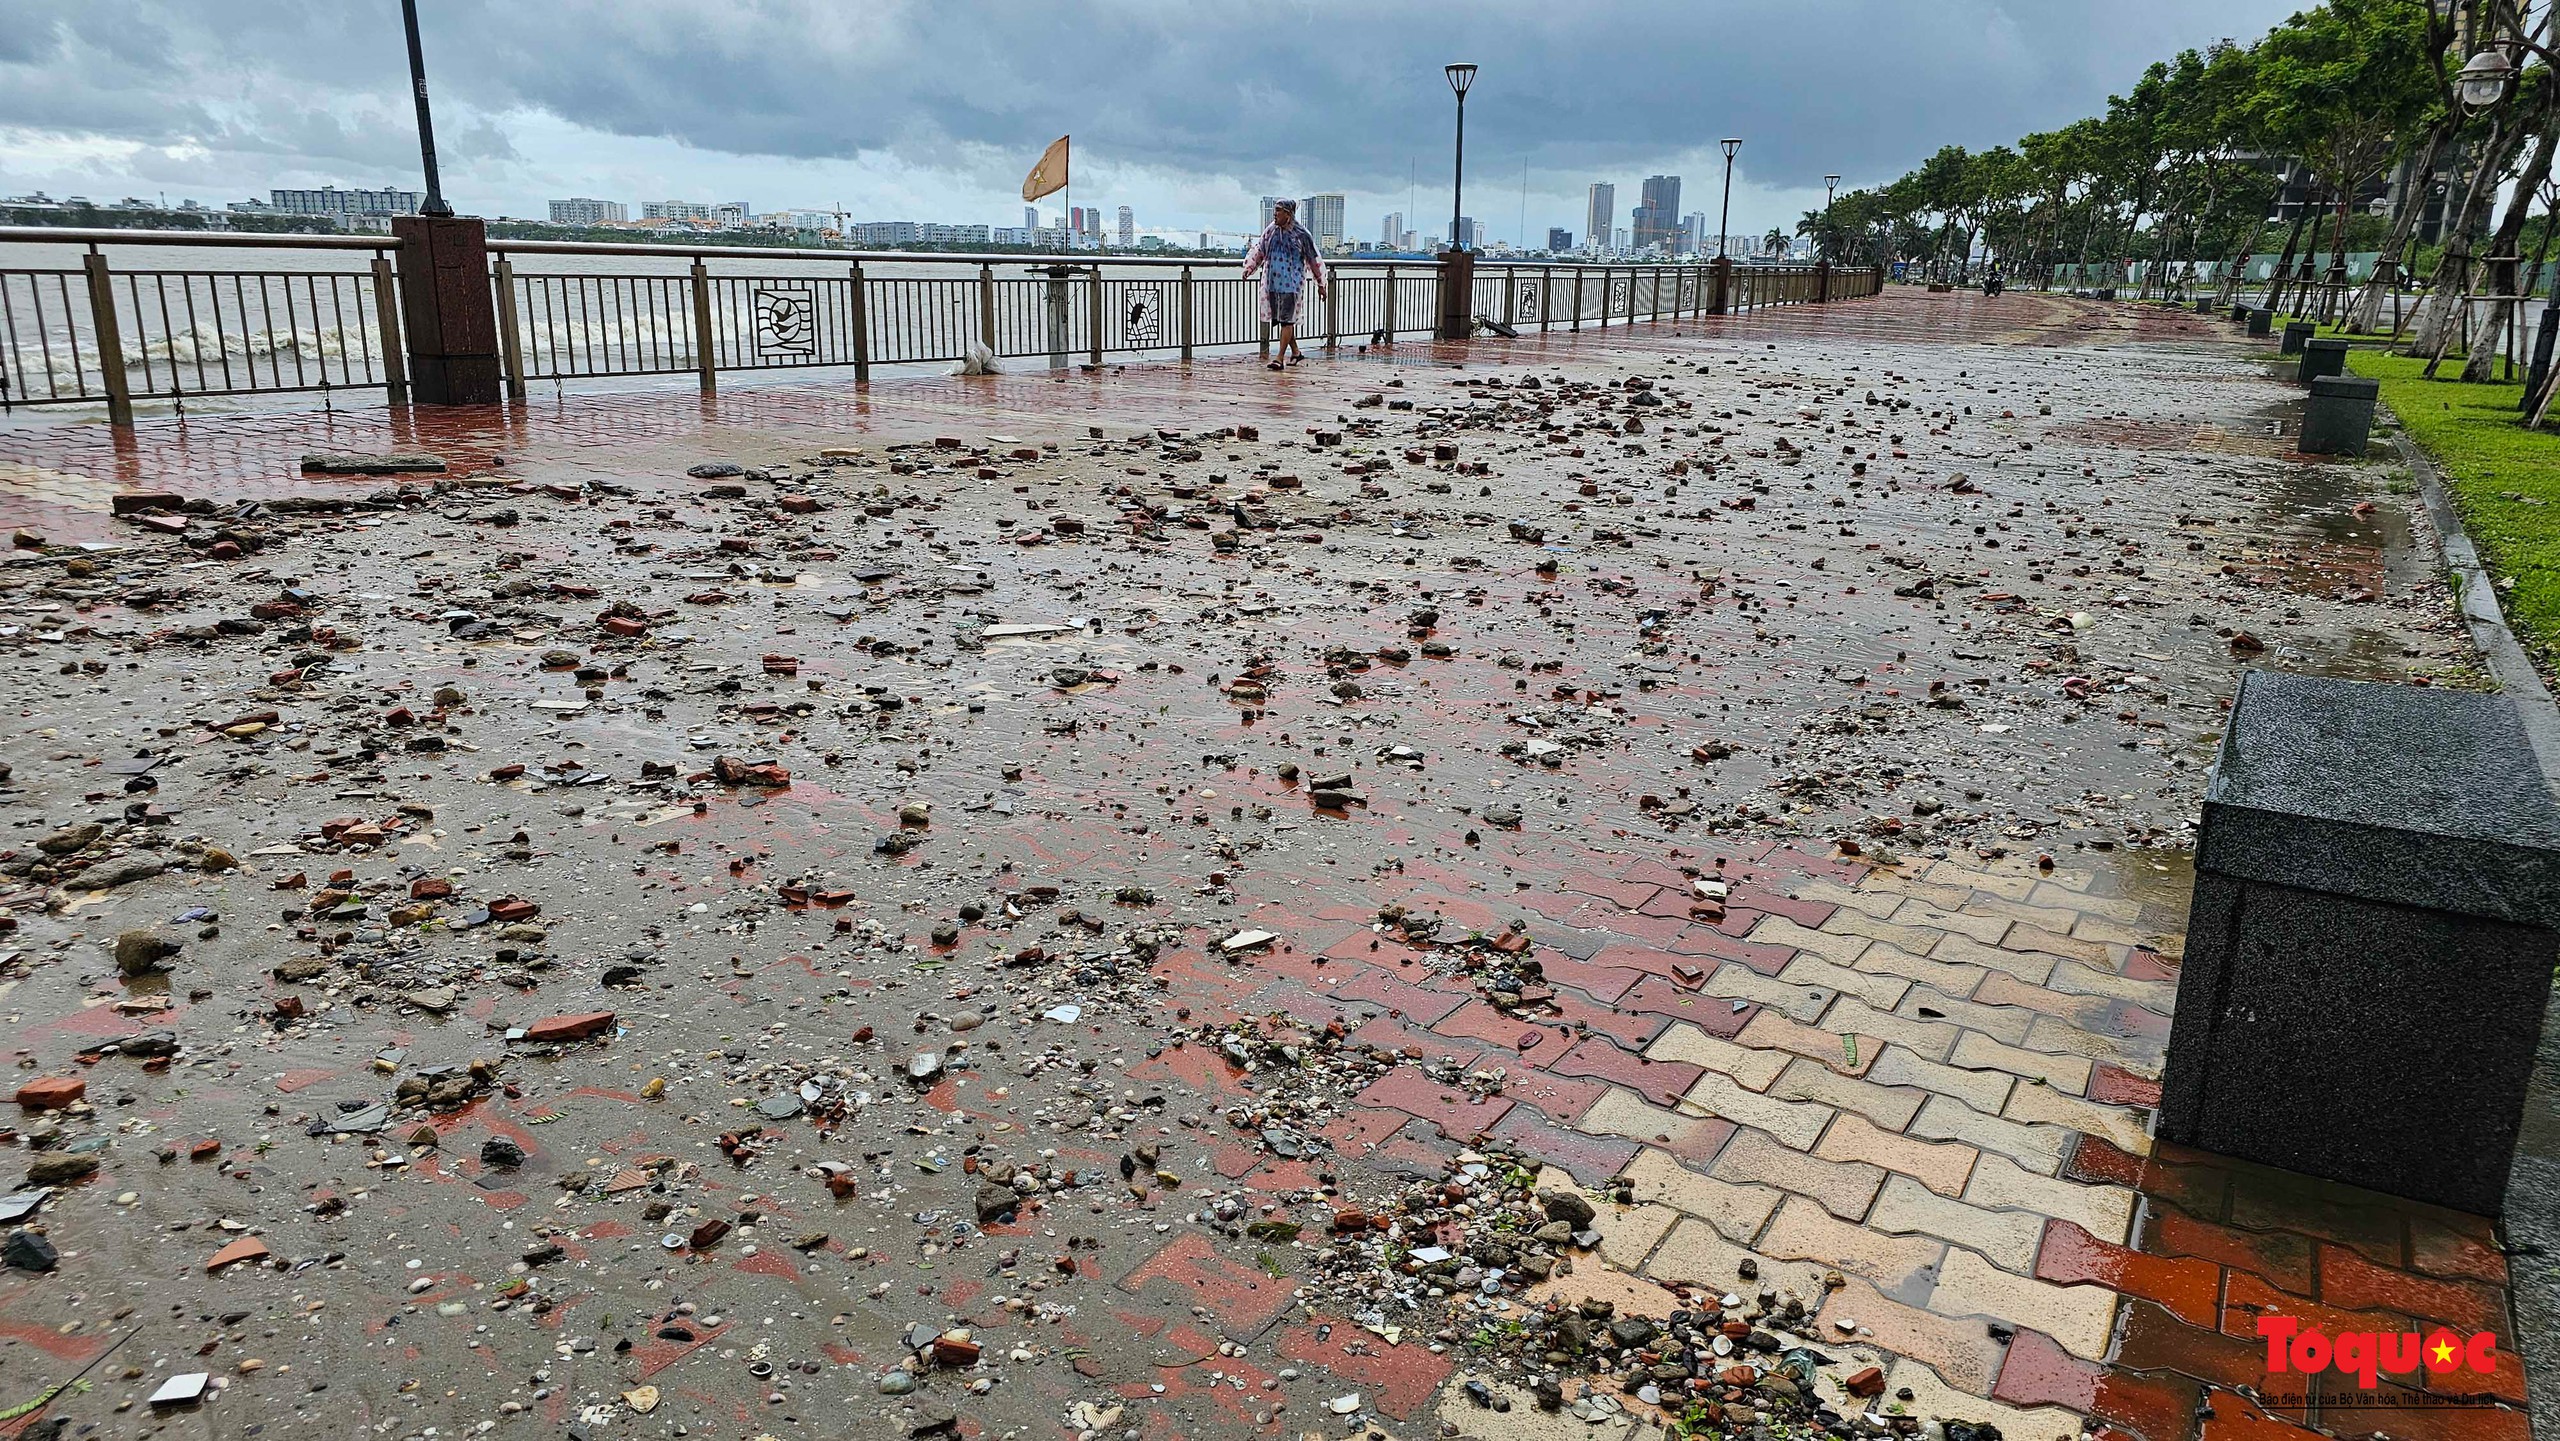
x: 1185, y: 110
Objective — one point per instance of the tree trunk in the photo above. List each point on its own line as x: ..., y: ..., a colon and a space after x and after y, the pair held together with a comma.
x: 2284, y: 267
x: 2442, y: 309
x: 2502, y: 254
x: 2367, y: 315
x: 2232, y: 270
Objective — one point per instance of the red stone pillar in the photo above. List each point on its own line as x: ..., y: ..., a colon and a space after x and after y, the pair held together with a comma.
x: 1457, y: 294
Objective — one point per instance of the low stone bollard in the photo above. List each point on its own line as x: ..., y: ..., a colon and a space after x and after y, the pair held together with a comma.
x: 2371, y: 942
x: 2239, y: 313
x: 2262, y: 322
x: 2204, y: 307
x: 2321, y: 356
x: 2339, y: 415
x: 2296, y: 333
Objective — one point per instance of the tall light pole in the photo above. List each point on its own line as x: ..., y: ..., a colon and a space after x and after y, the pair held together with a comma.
x: 1830, y: 191
x: 426, y: 124
x: 1724, y: 217
x: 1461, y: 77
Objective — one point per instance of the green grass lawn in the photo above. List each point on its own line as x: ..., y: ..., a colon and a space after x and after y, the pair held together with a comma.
x: 2505, y: 480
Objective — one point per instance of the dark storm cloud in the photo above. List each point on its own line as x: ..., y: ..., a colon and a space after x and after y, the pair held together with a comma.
x: 1243, y: 92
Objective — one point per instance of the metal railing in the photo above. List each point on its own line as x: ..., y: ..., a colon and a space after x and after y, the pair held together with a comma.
x: 323, y: 313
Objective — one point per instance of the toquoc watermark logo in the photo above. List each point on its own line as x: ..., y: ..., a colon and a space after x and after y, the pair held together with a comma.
x: 2367, y: 1354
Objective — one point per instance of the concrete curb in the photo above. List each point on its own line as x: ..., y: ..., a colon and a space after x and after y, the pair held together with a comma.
x: 2532, y: 1221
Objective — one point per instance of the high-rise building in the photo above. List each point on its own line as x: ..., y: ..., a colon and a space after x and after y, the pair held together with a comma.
x: 583, y: 211
x: 1031, y: 217
x: 1322, y: 215
x: 1269, y: 204
x: 1602, y: 213
x: 1391, y: 229
x: 1657, y: 218
x: 1470, y: 235
x: 1693, y: 232
x: 675, y: 210
x: 1559, y: 239
x: 339, y: 204
x: 1618, y: 240
x: 1128, y: 228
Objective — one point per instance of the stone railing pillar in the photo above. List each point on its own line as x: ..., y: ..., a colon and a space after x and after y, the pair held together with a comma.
x: 448, y: 310
x: 1457, y: 294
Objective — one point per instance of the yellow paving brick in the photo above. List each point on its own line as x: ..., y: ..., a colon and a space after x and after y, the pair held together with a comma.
x: 2016, y: 885
x: 1848, y: 1053
x: 2114, y: 908
x: 1855, y: 923
x: 1931, y: 1396
x: 1621, y: 1112
x: 1830, y: 945
x: 2052, y: 918
x: 2078, y: 979
x: 1933, y: 1039
x: 1804, y: 1231
x: 1898, y: 884
x: 1859, y: 980
x: 1942, y: 1166
x: 2101, y: 929
x: 2069, y: 1073
x: 1873, y: 900
x: 2009, y: 1238
x: 2105, y: 1212
x: 1961, y: 1349
x: 1628, y: 1234
x: 2001, y: 1023
x: 1798, y: 1123
x: 2120, y: 1126
x: 2054, y: 1034
x: 2037, y: 938
x: 1695, y: 1254
x: 1943, y: 1118
x: 1952, y: 977
x: 1888, y: 1106
x: 2005, y: 990
x: 1736, y: 1209
x: 1985, y: 1091
x: 2029, y: 966
x: 1735, y: 982
x: 2078, y: 1317
x: 1685, y: 1042
x: 1981, y: 925
x: 1844, y: 1188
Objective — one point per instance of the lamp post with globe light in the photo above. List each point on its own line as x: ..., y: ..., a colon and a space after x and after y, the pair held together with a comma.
x: 1724, y: 217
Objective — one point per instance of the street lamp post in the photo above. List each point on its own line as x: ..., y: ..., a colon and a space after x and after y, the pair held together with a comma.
x: 1830, y: 192
x: 1724, y: 217
x: 426, y: 124
x: 1461, y: 76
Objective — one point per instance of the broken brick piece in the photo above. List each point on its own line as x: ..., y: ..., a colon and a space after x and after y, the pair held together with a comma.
x: 247, y: 1248
x: 570, y: 1028
x: 52, y: 1093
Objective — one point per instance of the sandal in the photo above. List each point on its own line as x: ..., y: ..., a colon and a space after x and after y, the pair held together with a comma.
x: 1295, y: 359
x: 1275, y: 365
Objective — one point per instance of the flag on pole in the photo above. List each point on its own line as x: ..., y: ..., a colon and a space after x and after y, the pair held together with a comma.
x: 1050, y: 175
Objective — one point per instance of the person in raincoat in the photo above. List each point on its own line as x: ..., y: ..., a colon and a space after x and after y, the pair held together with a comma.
x: 1285, y: 256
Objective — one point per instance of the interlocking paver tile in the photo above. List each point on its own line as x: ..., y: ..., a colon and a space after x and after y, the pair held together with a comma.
x: 1715, y: 1015
x: 1188, y: 1272
x: 1736, y: 982
x: 1944, y: 1118
x: 2188, y: 1288
x: 1959, y: 1348
x: 1737, y: 1209
x: 1980, y: 923
x: 1398, y: 1380
x: 2278, y: 1257
x: 1624, y: 1113
x: 2245, y: 1298
x: 2396, y: 1413
x: 1753, y: 1068
x: 2103, y: 1211
x: 1849, y: 1054
x: 2152, y: 1340
x: 1804, y: 1231
x: 2029, y: 966
x: 2116, y: 1086
x: 1696, y: 1254
x: 2057, y: 1036
x: 1629, y: 1233
x: 1845, y: 1189
x: 2349, y: 1280
x: 1807, y: 1080
x: 1591, y: 1158
x: 2014, y: 885
x: 1949, y: 977
x: 2002, y: 989
x: 1809, y: 970
x: 1898, y: 884
x: 2001, y: 1022
x: 1891, y: 933
x: 2045, y: 1105
x: 2198, y: 1188
x: 2072, y: 976
x: 2051, y: 918
x: 1798, y: 1123
x: 2442, y: 1249
x: 1451, y: 1108
x: 1841, y: 946
x: 1985, y: 1091
x: 1872, y: 898
x: 1602, y: 1059
x: 1973, y: 1049
x: 1931, y: 1040
x: 2036, y: 1372
x: 2008, y: 1238
x: 1932, y: 1396
x: 2077, y: 1317
x: 1943, y: 1167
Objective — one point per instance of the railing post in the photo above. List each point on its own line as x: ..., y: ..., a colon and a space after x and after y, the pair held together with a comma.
x: 1721, y: 272
x: 386, y: 320
x: 1186, y: 312
x: 861, y: 326
x: 1546, y: 298
x: 987, y: 306
x: 502, y: 277
x: 447, y: 316
x: 1657, y: 293
x: 102, y: 315
x: 1608, y: 292
x: 1457, y: 295
x: 1822, y: 278
x: 1391, y: 305
x: 1333, y: 313
x: 1507, y: 298
x: 1577, y: 296
x: 1093, y: 317
x: 705, y: 358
